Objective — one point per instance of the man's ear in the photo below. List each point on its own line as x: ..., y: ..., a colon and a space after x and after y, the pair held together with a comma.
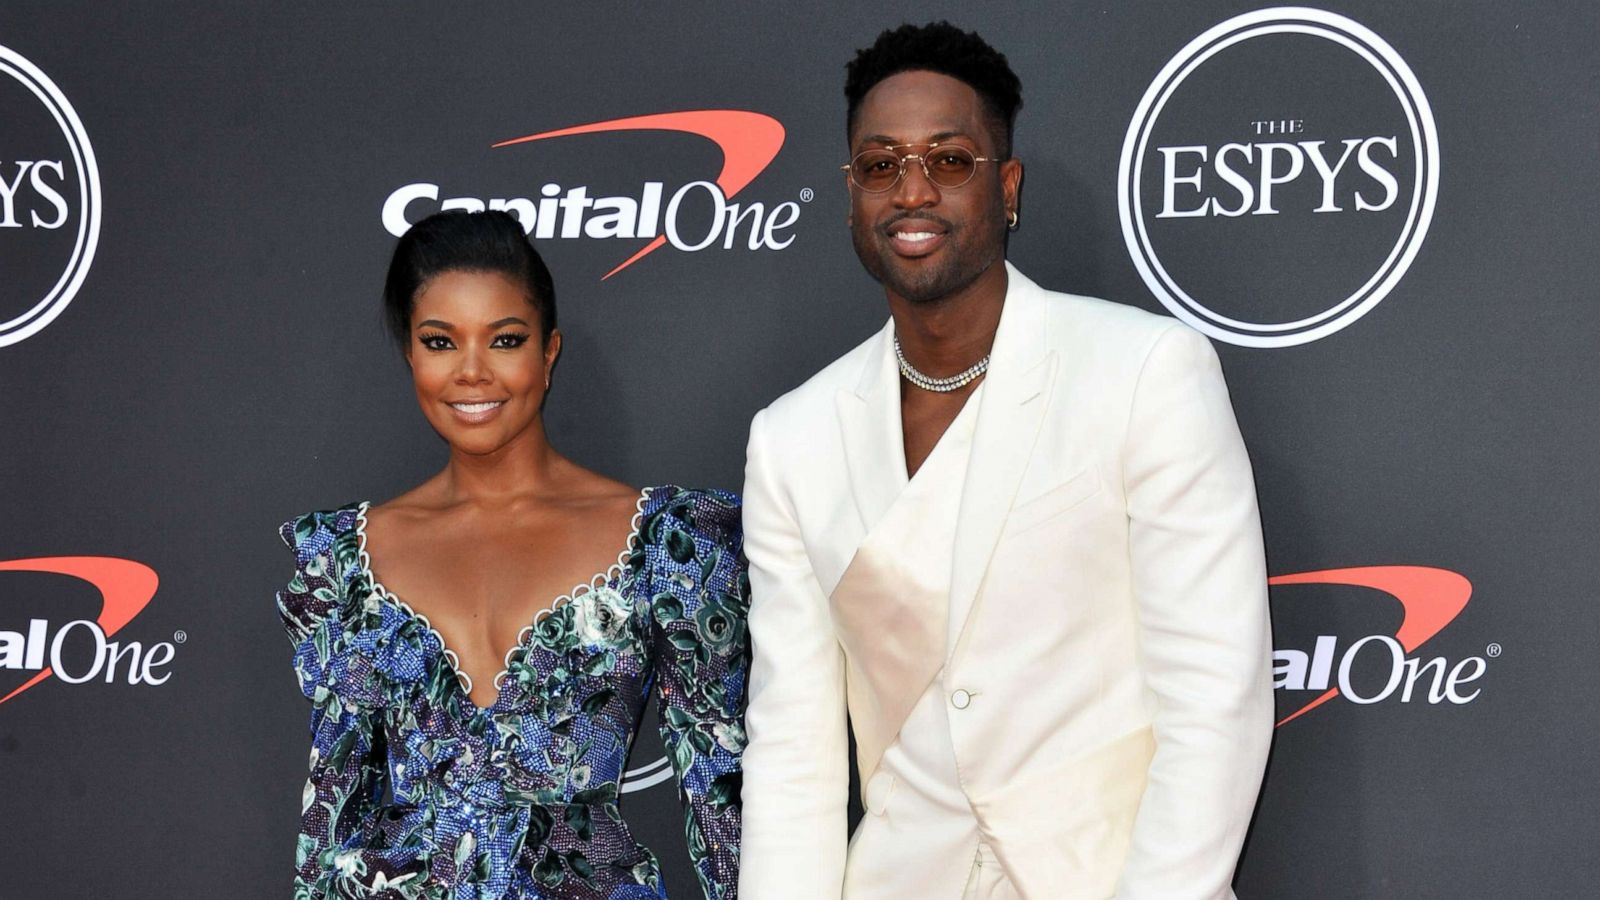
x: 1011, y: 182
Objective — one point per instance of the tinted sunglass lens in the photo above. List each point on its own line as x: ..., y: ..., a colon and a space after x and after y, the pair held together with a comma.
x: 950, y: 166
x: 875, y: 170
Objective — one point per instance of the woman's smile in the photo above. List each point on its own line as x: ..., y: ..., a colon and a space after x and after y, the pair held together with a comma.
x: 474, y: 413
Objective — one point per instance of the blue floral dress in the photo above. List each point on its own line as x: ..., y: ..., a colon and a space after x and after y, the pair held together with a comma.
x: 416, y: 792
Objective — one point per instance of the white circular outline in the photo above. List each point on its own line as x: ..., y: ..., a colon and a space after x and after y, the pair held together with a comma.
x: 66, y: 287
x: 1138, y: 173
x: 1278, y: 20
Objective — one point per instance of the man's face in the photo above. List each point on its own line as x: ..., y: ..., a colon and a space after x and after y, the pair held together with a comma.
x: 921, y: 241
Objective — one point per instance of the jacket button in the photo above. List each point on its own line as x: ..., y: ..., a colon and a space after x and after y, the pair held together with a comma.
x: 961, y: 699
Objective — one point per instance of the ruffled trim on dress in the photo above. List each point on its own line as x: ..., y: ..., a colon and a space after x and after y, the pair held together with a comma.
x: 348, y: 644
x: 364, y: 562
x: 616, y: 573
x: 613, y: 573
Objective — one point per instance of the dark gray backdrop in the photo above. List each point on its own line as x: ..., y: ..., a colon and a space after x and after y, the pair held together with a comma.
x: 223, y: 368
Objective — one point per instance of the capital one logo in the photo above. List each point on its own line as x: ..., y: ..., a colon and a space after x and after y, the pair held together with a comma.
x: 49, y: 200
x: 1375, y: 668
x: 1278, y: 177
x: 658, y: 211
x: 81, y: 650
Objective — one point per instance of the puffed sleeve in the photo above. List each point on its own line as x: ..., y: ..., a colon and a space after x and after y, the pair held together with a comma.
x: 699, y: 604
x: 346, y: 764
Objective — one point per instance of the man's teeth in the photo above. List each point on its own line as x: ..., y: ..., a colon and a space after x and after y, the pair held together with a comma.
x: 477, y: 407
x: 916, y: 237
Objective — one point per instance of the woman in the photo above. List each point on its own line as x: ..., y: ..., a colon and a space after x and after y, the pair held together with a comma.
x: 444, y: 765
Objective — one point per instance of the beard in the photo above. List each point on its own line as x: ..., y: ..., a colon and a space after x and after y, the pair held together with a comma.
x: 967, y: 253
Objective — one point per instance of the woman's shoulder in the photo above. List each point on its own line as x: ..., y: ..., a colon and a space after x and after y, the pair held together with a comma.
x: 699, y: 528
x: 310, y: 534
x: 327, y: 550
x: 708, y: 511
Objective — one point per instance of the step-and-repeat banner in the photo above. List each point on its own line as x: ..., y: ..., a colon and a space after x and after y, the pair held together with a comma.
x: 1380, y: 212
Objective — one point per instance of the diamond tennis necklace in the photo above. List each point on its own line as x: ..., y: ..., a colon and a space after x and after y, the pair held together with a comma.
x: 939, y: 385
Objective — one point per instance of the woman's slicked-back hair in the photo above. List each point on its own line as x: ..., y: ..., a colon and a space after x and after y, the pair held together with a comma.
x: 460, y: 241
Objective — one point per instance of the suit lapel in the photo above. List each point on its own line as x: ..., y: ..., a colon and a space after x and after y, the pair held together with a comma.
x: 869, y: 420
x: 1015, y: 396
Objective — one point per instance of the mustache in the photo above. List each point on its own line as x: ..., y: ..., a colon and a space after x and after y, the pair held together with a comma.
x: 918, y: 215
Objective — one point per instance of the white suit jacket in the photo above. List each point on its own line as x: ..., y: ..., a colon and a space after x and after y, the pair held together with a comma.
x: 1115, y: 650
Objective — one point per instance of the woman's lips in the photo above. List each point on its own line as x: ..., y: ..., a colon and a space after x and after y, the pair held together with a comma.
x: 478, y: 412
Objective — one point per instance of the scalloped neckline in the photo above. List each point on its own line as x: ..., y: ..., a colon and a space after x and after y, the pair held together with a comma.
x: 464, y: 681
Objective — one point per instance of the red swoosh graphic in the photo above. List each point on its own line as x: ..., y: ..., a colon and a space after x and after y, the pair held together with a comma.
x: 749, y: 141
x: 125, y: 589
x: 1431, y: 598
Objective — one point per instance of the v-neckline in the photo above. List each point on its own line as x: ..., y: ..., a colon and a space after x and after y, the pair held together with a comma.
x: 464, y: 682
x: 969, y: 407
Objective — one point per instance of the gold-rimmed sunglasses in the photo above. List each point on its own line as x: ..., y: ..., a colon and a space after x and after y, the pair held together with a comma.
x: 945, y: 165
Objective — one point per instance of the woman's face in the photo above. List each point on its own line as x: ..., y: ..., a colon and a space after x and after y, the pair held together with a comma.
x: 475, y: 359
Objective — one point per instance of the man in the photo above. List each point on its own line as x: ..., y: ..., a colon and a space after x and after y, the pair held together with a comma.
x: 1015, y: 536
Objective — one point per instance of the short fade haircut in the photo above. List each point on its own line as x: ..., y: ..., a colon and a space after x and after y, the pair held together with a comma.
x: 943, y: 48
x: 459, y: 241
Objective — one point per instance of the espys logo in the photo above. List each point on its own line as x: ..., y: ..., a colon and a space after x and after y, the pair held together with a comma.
x: 80, y: 650
x: 748, y: 141
x: 49, y: 200
x: 1278, y: 177
x: 1379, y: 667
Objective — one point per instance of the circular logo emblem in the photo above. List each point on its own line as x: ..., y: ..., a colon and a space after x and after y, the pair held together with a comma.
x: 1278, y: 177
x: 49, y: 200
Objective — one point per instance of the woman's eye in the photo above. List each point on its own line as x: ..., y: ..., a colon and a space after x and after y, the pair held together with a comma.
x: 510, y: 341
x: 435, y: 342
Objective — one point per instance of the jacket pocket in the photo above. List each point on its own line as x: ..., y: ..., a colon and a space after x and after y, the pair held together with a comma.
x: 1054, y: 502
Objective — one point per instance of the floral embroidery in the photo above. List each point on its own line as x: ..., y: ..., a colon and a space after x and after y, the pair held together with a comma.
x: 416, y: 793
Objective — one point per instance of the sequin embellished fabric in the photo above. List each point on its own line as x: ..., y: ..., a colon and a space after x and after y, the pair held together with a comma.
x: 415, y: 792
